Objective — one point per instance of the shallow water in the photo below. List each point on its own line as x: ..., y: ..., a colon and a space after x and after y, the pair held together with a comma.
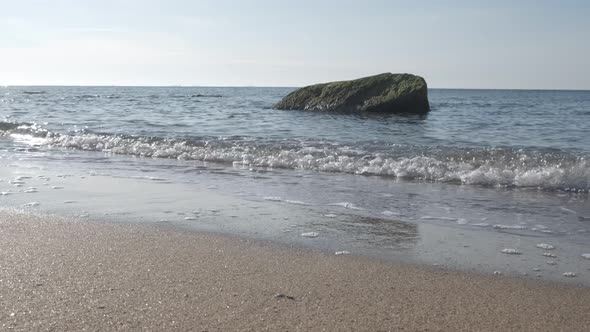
x: 483, y: 172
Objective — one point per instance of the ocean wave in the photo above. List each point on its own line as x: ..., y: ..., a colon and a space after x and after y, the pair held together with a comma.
x: 500, y: 167
x: 206, y: 96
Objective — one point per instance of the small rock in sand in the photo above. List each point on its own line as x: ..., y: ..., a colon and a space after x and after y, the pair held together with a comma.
x: 283, y: 296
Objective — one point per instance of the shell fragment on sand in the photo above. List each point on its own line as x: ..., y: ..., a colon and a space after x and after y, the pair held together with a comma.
x: 511, y: 251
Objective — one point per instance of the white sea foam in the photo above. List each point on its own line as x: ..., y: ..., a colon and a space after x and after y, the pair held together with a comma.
x: 347, y: 205
x: 569, y: 274
x: 390, y: 213
x: 545, y: 246
x: 548, y: 254
x: 297, y: 202
x: 343, y: 252
x: 490, y: 167
x: 155, y: 178
x: 568, y: 210
x: 272, y: 198
x: 498, y: 226
x: 310, y: 234
x: 587, y: 256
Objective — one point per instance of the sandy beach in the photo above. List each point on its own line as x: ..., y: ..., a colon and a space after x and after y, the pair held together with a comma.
x: 65, y: 275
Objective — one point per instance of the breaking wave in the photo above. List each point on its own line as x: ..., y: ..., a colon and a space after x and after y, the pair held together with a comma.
x: 503, y: 167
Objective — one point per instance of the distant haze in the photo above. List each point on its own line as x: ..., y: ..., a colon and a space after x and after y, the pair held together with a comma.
x: 453, y: 44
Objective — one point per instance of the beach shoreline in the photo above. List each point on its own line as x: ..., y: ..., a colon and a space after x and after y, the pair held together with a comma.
x: 64, y: 274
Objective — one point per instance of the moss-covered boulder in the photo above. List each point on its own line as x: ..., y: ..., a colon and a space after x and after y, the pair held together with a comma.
x: 384, y: 93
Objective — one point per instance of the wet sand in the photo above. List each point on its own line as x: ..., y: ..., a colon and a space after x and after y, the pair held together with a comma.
x: 63, y: 275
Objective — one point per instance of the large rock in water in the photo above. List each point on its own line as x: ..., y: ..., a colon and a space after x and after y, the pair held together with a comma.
x: 383, y: 93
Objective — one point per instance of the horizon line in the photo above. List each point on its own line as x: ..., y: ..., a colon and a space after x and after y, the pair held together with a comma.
x: 257, y: 86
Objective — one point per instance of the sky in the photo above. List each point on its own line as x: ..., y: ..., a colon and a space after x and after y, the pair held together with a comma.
x: 452, y: 44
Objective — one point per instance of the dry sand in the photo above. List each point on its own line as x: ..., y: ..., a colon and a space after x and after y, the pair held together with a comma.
x: 60, y: 275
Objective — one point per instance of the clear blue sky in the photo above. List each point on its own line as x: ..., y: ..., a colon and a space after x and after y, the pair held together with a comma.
x: 453, y: 44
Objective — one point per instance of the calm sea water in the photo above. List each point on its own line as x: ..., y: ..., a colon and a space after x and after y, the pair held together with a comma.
x: 493, y: 168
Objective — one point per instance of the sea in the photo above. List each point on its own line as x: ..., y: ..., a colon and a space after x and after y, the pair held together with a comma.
x: 491, y: 181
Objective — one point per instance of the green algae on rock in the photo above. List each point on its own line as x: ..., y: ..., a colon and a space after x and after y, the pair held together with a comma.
x: 383, y: 93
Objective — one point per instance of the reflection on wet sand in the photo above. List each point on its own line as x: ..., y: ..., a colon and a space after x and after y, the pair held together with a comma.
x: 386, y: 233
